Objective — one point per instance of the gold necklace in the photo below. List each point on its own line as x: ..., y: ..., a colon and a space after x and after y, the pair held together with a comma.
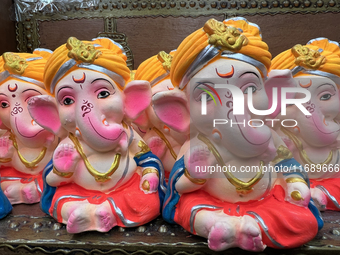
x: 28, y: 164
x: 99, y: 177
x: 241, y: 186
x: 166, y: 141
x: 303, y: 155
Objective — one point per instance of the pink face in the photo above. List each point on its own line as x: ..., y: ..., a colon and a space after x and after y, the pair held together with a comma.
x: 14, y: 95
x: 242, y: 139
x: 319, y: 129
x: 91, y: 106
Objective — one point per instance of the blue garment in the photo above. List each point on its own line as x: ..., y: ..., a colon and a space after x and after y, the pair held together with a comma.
x: 151, y: 160
x: 172, y: 196
x: 48, y: 191
x: 296, y: 168
x: 5, y: 205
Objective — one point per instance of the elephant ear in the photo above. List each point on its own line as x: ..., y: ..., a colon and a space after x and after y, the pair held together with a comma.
x: 137, y: 98
x: 279, y: 79
x: 142, y: 121
x: 43, y: 110
x: 171, y: 108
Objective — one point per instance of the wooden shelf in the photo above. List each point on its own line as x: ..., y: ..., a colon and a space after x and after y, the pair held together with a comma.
x: 27, y: 230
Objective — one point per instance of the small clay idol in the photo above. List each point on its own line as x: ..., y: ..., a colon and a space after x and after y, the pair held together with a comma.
x: 26, y: 148
x: 222, y: 186
x: 163, y: 142
x: 314, y: 136
x: 104, y: 174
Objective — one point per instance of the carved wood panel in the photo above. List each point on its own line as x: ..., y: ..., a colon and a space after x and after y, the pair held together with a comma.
x: 147, y: 26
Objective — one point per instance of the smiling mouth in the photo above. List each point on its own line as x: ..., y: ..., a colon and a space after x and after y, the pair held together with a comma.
x: 144, y: 132
x: 114, y: 139
x: 16, y: 126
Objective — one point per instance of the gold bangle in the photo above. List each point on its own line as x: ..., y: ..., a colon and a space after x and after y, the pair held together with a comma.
x: 5, y: 160
x: 150, y: 170
x: 194, y: 180
x: 62, y: 174
x: 296, y: 179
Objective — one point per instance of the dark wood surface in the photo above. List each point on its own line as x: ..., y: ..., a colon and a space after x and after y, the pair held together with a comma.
x: 27, y: 230
x: 7, y: 27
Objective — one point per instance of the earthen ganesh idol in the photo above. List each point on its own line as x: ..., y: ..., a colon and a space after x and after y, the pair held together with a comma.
x: 26, y: 149
x: 250, y: 210
x: 104, y: 174
x: 314, y: 138
x: 163, y: 141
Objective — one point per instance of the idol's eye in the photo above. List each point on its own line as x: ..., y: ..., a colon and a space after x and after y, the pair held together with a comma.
x: 103, y: 94
x: 203, y: 90
x: 4, y: 104
x: 68, y: 101
x: 325, y: 97
x: 253, y: 89
x: 199, y: 94
x: 209, y: 98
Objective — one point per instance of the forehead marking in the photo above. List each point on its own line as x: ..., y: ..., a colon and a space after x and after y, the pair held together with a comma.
x: 81, y: 80
x: 307, y: 85
x: 226, y: 75
x: 12, y: 89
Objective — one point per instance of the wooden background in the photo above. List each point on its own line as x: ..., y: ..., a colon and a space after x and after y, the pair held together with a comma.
x: 7, y: 27
x: 147, y: 36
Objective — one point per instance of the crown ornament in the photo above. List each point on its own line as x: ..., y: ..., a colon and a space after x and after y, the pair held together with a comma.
x: 165, y: 59
x: 307, y: 58
x: 223, y: 36
x: 14, y: 63
x: 80, y: 51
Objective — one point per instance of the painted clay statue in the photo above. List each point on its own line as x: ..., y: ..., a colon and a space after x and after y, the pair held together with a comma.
x: 160, y: 138
x: 27, y: 148
x: 231, y: 207
x: 104, y: 174
x: 314, y: 139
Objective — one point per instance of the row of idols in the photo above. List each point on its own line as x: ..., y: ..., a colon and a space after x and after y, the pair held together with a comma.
x: 215, y: 136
